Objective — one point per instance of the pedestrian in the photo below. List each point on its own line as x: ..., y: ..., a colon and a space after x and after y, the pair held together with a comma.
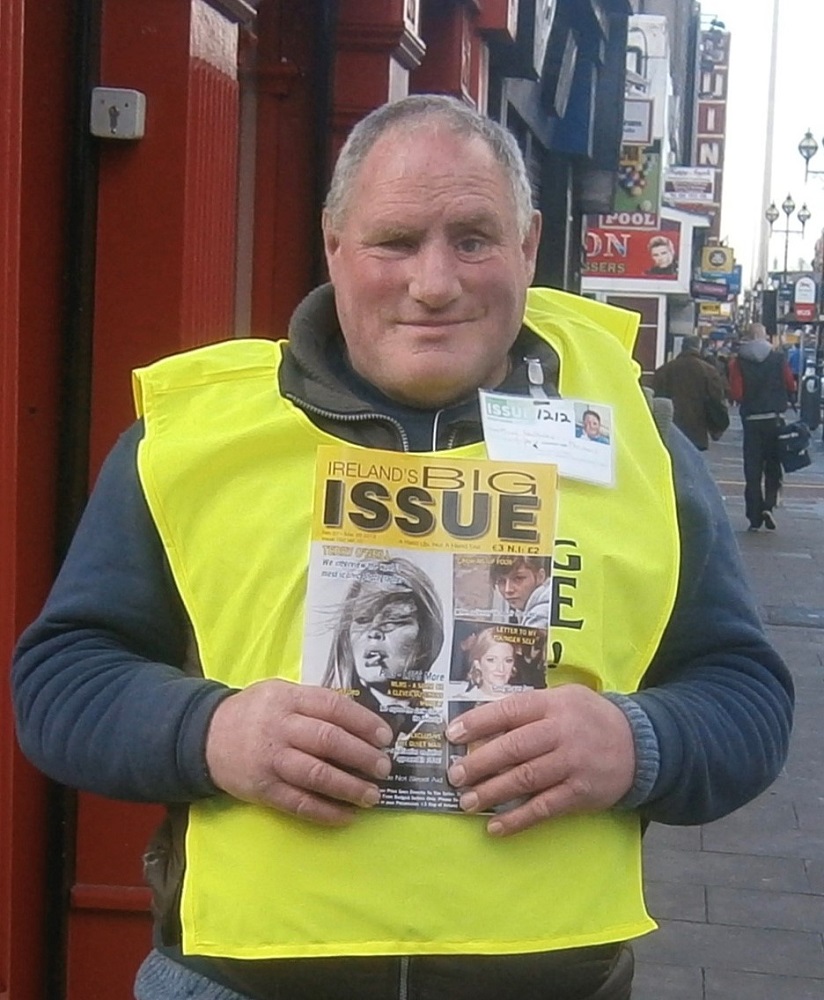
x: 795, y: 361
x: 762, y: 384
x: 697, y: 393
x: 163, y: 665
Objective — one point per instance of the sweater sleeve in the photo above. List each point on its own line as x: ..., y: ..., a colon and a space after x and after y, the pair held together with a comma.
x: 717, y: 695
x: 102, y: 700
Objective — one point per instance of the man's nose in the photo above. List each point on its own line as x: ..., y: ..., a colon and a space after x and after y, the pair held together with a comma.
x: 434, y: 280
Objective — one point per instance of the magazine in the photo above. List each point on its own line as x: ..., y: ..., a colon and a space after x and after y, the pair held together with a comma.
x: 428, y: 592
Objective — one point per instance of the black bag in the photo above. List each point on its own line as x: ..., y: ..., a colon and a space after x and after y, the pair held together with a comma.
x: 793, y: 442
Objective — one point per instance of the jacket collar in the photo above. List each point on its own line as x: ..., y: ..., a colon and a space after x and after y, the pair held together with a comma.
x: 315, y: 374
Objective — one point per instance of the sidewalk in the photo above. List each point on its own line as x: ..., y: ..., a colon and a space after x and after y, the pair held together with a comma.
x: 740, y: 902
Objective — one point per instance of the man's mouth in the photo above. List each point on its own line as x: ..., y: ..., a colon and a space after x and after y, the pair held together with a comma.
x: 435, y: 324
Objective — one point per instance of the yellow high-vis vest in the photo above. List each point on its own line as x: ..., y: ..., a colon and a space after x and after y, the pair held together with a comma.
x: 227, y: 466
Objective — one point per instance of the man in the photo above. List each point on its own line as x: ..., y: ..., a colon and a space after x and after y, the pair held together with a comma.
x: 762, y: 383
x: 275, y: 876
x: 590, y: 428
x: 662, y: 251
x: 697, y: 393
x: 523, y: 582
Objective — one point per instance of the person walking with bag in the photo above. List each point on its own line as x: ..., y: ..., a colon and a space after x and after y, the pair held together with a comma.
x: 762, y: 383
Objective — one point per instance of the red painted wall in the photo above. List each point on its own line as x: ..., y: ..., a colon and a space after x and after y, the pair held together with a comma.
x: 34, y: 46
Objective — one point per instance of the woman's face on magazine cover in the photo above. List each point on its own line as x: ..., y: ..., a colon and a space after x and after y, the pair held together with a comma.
x: 495, y: 668
x: 385, y: 640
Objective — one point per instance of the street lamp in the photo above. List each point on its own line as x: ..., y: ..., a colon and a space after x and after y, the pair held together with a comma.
x: 758, y: 291
x: 787, y: 207
x: 808, y: 147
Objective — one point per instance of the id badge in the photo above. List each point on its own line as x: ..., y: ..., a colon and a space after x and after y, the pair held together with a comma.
x: 576, y: 435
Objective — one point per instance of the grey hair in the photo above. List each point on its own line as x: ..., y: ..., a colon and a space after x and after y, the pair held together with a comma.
x: 425, y: 109
x: 757, y: 331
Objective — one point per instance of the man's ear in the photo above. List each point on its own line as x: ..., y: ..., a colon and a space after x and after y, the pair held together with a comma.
x: 529, y: 247
x: 540, y: 576
x: 331, y: 240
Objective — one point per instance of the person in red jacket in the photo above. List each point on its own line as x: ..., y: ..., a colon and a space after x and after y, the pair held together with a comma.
x: 762, y: 383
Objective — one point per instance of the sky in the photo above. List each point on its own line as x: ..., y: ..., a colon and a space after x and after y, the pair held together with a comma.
x: 799, y: 105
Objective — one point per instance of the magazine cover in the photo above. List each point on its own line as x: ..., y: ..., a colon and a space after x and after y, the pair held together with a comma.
x: 429, y: 591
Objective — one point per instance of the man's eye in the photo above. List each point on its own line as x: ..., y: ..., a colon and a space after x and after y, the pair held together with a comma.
x: 397, y: 244
x: 472, y: 244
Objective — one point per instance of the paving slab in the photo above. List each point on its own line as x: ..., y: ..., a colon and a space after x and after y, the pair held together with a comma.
x: 720, y: 984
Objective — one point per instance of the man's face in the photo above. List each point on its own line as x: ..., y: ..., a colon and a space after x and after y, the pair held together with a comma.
x: 385, y: 641
x: 429, y: 269
x: 517, y: 586
x: 661, y: 256
x: 591, y: 425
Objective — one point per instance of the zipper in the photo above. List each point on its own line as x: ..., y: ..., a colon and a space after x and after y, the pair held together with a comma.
x: 435, y: 422
x: 359, y: 418
x: 351, y: 418
x: 403, y: 979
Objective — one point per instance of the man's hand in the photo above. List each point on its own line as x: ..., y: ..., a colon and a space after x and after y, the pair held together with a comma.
x: 567, y: 748
x: 299, y: 749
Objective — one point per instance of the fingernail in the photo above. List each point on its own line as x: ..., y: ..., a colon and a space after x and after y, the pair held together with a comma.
x: 469, y: 802
x: 457, y: 775
x: 371, y: 797
x: 383, y: 768
x: 495, y: 828
x: 456, y: 732
x: 383, y: 734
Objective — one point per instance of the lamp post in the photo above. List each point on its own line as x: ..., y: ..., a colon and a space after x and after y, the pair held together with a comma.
x: 787, y: 207
x: 808, y: 147
x: 758, y: 290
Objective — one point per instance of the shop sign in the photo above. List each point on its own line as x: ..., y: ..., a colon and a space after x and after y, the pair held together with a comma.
x: 709, y: 290
x: 691, y: 189
x: 633, y: 253
x: 714, y: 310
x: 639, y: 180
x: 717, y: 262
x: 637, y: 121
x: 805, y: 303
